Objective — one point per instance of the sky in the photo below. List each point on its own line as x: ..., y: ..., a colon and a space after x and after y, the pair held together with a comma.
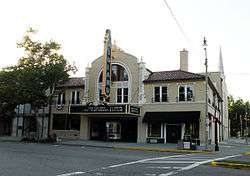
x: 143, y: 28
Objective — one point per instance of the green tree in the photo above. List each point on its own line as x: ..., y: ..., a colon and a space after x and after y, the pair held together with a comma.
x: 37, y: 73
x: 238, y: 115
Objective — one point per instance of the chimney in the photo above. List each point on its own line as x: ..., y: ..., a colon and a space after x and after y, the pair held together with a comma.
x: 184, y: 60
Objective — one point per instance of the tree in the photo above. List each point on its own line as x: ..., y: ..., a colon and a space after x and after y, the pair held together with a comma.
x: 238, y: 115
x: 37, y: 72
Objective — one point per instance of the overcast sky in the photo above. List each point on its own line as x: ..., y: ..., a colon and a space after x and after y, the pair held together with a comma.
x: 143, y: 28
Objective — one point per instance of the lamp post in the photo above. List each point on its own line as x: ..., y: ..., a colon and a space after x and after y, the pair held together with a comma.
x: 206, y: 93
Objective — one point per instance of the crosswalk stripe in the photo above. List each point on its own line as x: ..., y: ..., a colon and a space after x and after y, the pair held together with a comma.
x: 169, y: 162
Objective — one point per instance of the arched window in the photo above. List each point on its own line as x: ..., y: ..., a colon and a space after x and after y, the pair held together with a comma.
x: 121, y: 88
x: 118, y: 74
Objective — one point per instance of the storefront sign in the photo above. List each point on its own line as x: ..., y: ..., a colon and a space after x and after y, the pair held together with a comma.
x: 134, y: 110
x: 98, y: 109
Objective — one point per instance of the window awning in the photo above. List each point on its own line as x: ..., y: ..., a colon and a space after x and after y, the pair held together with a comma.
x: 172, y: 117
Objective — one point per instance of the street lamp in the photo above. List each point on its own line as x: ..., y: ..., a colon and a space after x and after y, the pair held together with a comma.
x: 206, y: 92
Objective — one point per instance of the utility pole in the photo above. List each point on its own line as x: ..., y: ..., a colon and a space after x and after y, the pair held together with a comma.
x: 206, y: 92
x: 241, y: 132
x: 246, y: 126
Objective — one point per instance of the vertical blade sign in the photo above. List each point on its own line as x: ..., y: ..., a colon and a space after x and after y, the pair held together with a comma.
x: 106, y: 66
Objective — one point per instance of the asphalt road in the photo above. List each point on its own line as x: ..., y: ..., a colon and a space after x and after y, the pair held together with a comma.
x: 29, y: 159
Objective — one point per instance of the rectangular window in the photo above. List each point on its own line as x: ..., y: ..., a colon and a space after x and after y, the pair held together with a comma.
x: 61, y: 98
x: 75, y: 97
x: 182, y: 93
x: 125, y: 95
x: 186, y: 93
x: 189, y: 93
x: 160, y: 94
x: 154, y: 130
x: 122, y: 95
x: 119, y: 95
x: 100, y: 94
x: 157, y: 94
x: 164, y: 96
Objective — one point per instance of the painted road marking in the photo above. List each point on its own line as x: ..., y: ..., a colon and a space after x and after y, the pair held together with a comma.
x: 145, y: 160
x: 166, y: 167
x: 72, y: 173
x: 122, y: 164
x: 159, y: 167
x: 197, y: 164
x: 169, y: 162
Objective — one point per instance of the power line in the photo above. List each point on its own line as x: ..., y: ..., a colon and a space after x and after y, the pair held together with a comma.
x: 177, y: 22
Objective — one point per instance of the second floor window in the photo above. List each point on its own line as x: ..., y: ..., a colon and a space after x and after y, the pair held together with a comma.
x: 61, y: 98
x: 122, y: 95
x: 160, y: 94
x: 75, y: 97
x: 186, y: 93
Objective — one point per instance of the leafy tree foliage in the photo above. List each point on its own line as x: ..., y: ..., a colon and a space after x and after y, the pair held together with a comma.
x: 33, y: 79
x: 239, y: 115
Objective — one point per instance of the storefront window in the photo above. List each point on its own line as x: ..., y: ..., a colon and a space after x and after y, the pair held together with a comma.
x: 192, y: 129
x: 154, y: 130
x: 66, y: 123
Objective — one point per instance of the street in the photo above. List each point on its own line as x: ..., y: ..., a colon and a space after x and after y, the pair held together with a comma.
x: 31, y: 159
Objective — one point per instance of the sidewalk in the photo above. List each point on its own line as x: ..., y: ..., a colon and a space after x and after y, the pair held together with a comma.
x: 169, y: 147
x: 10, y: 139
x: 237, y: 141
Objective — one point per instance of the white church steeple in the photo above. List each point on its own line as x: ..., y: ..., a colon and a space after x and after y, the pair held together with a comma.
x: 221, y: 67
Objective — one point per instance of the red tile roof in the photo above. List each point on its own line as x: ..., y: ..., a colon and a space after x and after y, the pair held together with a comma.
x: 73, y: 82
x: 173, y: 76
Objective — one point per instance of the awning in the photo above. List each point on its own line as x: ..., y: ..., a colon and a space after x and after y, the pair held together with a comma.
x: 172, y: 117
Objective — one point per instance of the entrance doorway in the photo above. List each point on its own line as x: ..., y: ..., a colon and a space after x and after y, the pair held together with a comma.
x: 173, y: 133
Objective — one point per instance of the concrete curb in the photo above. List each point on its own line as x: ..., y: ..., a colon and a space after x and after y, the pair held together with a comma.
x: 85, y: 145
x: 246, y: 153
x: 163, y: 150
x: 7, y: 140
x: 230, y: 165
x: 141, y: 148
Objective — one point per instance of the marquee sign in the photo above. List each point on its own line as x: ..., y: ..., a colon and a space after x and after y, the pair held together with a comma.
x: 106, y: 66
x: 104, y: 109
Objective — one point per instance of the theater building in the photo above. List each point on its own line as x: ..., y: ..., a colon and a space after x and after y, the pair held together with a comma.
x: 120, y: 99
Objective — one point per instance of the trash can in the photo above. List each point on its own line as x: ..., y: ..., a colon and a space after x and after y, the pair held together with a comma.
x: 193, y: 144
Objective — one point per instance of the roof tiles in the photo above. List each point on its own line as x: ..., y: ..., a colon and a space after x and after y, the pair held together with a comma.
x: 173, y: 76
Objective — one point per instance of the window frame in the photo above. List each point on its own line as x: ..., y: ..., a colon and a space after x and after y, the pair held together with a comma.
x: 186, y: 86
x: 122, y: 95
x: 160, y: 94
x: 76, y: 99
